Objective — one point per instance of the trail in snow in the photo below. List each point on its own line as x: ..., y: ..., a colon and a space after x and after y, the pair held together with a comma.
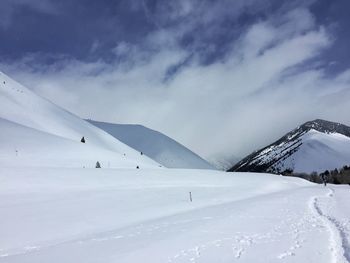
x: 273, y: 227
x: 121, y: 216
x: 339, y: 232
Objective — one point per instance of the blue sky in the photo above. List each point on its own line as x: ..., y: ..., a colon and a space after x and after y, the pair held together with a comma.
x: 89, y: 30
x: 222, y: 77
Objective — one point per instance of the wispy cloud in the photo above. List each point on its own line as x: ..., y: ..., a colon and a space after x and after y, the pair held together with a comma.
x: 260, y: 87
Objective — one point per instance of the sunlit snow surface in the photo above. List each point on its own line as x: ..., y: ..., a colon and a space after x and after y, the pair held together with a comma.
x: 322, y: 151
x: 111, y: 215
x: 55, y: 207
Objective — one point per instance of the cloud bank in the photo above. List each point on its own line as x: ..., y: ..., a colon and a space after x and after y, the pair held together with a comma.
x: 265, y: 79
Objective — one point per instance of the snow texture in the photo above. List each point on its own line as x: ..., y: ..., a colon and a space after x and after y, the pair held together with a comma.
x: 54, y: 210
x: 120, y: 215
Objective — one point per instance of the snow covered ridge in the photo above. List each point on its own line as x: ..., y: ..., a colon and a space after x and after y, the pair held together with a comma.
x: 314, y: 146
x: 155, y: 145
x: 36, y: 132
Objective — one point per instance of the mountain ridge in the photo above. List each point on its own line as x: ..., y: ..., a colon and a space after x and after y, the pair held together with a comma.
x: 274, y: 157
x: 154, y: 144
x: 37, y: 132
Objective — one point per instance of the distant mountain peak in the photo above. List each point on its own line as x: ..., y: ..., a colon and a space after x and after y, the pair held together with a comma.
x: 313, y: 146
x: 327, y: 127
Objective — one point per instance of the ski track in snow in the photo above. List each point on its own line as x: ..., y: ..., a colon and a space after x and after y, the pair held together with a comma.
x: 132, y: 232
x: 244, y: 243
x: 238, y: 243
x: 338, y: 241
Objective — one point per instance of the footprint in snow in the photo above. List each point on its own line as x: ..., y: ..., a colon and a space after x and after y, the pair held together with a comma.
x: 31, y: 248
x: 238, y: 252
x: 286, y: 254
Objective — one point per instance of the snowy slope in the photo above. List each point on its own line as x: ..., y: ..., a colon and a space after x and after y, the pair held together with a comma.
x: 319, y: 152
x: 314, y: 146
x: 24, y: 146
x: 55, y: 132
x: 128, y: 216
x: 53, y: 210
x: 155, y: 145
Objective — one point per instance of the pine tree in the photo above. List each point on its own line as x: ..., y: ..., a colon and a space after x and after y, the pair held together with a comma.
x: 98, y: 165
x: 82, y: 140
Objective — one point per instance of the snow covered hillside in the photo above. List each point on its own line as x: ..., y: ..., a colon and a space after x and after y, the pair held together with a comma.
x: 55, y: 207
x: 35, y: 132
x: 121, y: 215
x: 320, y: 151
x: 155, y: 145
x: 314, y: 146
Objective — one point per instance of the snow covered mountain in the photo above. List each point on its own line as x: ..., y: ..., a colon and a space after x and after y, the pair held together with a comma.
x: 36, y: 132
x: 314, y: 146
x: 155, y: 145
x: 53, y: 210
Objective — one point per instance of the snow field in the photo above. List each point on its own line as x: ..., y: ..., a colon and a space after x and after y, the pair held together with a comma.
x: 55, y: 207
x: 115, y: 215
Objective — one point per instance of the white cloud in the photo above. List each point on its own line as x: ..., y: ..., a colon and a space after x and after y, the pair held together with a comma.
x: 230, y: 107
